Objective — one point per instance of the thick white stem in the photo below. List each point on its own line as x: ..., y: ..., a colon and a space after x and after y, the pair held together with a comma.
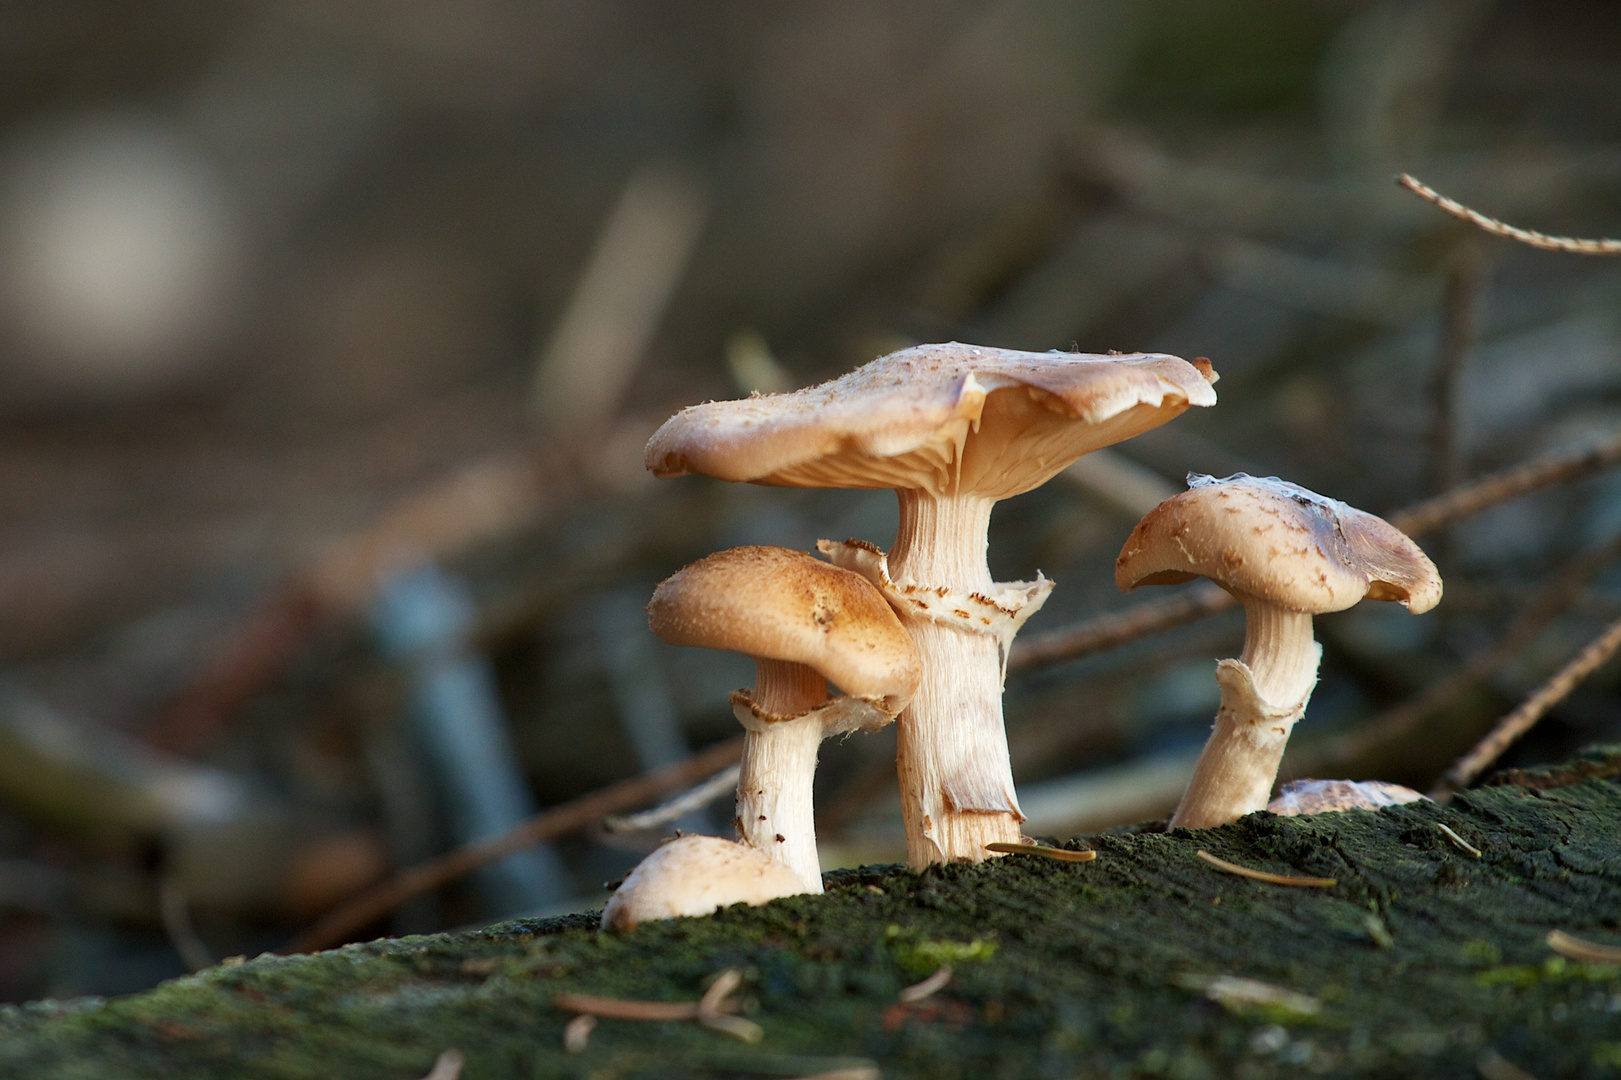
x: 1263, y: 694
x: 775, y: 808
x: 955, y: 778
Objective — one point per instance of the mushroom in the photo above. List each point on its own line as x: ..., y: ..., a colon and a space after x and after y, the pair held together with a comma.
x: 697, y: 875
x: 953, y: 429
x: 1301, y: 797
x: 1285, y: 554
x: 805, y: 623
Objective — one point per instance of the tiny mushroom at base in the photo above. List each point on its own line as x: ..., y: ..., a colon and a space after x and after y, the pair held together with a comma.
x: 1300, y: 797
x: 697, y: 875
x: 952, y: 428
x: 805, y: 623
x: 1286, y: 554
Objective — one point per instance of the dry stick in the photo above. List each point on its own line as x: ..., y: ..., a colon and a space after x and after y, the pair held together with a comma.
x: 928, y: 987
x: 1105, y: 632
x: 378, y: 901
x: 488, y: 498
x: 1042, y: 850
x: 1522, y: 719
x: 1575, y: 948
x: 1266, y: 875
x: 1553, y: 600
x: 1571, y: 244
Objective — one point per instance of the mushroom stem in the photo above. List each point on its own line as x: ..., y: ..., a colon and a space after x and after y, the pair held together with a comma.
x: 775, y: 808
x: 1263, y: 694
x: 955, y: 778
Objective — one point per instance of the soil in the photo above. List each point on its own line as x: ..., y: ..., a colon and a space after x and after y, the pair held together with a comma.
x: 1422, y: 961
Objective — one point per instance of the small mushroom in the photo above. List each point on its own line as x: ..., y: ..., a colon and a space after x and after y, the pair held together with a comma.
x: 805, y: 623
x: 1286, y: 554
x: 697, y: 875
x: 1300, y: 797
x: 952, y: 428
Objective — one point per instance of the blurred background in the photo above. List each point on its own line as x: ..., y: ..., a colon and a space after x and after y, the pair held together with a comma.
x: 331, y: 333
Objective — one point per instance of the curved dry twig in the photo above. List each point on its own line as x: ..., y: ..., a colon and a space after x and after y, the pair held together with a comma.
x: 1524, y: 717
x: 1573, y: 244
x: 1266, y: 875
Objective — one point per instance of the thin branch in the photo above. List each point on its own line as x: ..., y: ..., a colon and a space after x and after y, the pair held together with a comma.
x: 1572, y: 244
x: 1534, y: 617
x: 1532, y: 709
x: 1104, y: 632
x: 1563, y: 466
x: 379, y: 900
x: 692, y: 799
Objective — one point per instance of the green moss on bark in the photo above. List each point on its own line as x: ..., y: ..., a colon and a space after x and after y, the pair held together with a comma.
x: 1423, y: 958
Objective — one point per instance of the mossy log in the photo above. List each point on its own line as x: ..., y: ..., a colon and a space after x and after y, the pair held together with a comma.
x: 1422, y: 961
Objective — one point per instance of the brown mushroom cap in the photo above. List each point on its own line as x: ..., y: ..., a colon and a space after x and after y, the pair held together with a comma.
x: 950, y: 419
x: 1267, y: 538
x: 777, y: 604
x: 696, y: 875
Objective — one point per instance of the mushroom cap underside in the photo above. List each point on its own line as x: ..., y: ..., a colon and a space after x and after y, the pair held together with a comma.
x: 948, y: 418
x: 696, y: 875
x: 1276, y: 541
x: 777, y: 604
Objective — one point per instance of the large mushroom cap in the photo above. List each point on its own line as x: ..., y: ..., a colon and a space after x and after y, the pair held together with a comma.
x: 777, y: 604
x: 949, y: 419
x: 696, y: 875
x: 1267, y: 538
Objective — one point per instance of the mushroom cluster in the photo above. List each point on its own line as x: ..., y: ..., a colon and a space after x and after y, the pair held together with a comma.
x: 921, y: 632
x: 952, y: 429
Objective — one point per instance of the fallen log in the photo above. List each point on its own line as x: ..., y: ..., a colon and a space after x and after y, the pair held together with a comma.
x: 1420, y: 960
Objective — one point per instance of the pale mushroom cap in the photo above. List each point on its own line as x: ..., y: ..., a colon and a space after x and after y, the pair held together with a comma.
x: 949, y: 419
x: 777, y: 604
x: 697, y: 875
x: 1276, y: 541
x: 1301, y: 797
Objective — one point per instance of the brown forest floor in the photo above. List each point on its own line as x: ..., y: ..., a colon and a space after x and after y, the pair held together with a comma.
x: 1423, y: 958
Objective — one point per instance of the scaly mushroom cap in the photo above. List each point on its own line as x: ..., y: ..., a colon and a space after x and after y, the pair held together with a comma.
x: 950, y: 419
x: 1300, y: 797
x: 697, y: 875
x: 776, y: 604
x: 1270, y: 539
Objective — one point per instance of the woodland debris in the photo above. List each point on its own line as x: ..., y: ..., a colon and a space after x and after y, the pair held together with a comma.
x: 1045, y: 852
x: 1266, y: 876
x: 1575, y: 948
x: 1463, y: 845
x: 920, y: 990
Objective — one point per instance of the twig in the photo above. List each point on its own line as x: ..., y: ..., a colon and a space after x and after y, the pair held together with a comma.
x: 1536, y: 239
x: 381, y: 899
x: 1575, y: 948
x: 715, y: 999
x: 689, y: 800
x: 1463, y: 844
x: 626, y: 1008
x: 1532, y: 709
x: 928, y: 987
x: 1060, y: 854
x: 577, y: 1033
x: 448, y: 1066
x: 1105, y: 632
x: 487, y: 498
x: 1499, y: 487
x: 1554, y: 600
x: 1269, y: 878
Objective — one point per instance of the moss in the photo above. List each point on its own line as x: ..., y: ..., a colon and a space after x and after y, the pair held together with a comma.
x: 1061, y: 969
